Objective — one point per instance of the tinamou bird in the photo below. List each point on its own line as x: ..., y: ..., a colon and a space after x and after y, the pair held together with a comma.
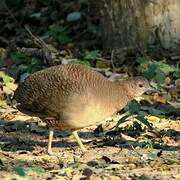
x: 71, y: 97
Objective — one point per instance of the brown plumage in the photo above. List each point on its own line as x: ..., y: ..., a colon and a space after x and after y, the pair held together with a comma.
x: 72, y: 97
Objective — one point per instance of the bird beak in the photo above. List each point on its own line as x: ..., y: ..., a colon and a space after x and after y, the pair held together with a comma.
x: 152, y: 90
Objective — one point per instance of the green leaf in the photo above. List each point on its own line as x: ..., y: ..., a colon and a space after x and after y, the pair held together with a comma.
x: 59, y: 33
x: 160, y: 77
x: 78, y: 61
x: 177, y: 73
x: 20, y: 171
x: 34, y: 61
x: 165, y: 68
x: 122, y: 120
x: 6, y: 79
x: 143, y: 120
x: 151, y: 71
x: 63, y: 38
x: 154, y: 111
x: 91, y: 55
x: 137, y: 125
x: 22, y: 68
x: 133, y: 107
x: 17, y: 56
x: 142, y: 60
x: 142, y: 113
x: 54, y: 29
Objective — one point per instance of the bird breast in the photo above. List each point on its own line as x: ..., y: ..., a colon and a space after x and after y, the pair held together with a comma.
x: 86, y: 110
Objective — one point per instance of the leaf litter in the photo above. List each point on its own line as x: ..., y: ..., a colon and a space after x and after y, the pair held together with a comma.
x: 23, y: 153
x: 144, y: 145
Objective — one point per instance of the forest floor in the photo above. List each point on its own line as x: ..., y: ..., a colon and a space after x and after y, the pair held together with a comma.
x: 38, y: 34
x: 109, y: 155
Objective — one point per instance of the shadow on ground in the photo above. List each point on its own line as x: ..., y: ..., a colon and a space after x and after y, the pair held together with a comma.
x: 24, y: 135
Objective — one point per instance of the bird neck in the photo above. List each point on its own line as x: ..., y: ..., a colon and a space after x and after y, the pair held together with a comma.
x: 121, y: 94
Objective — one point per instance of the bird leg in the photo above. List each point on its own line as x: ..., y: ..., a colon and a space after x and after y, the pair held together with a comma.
x: 75, y: 134
x: 49, y: 149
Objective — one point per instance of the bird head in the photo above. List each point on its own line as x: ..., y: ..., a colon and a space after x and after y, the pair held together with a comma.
x: 138, y: 86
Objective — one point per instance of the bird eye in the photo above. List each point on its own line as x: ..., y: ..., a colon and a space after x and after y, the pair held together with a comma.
x: 140, y: 85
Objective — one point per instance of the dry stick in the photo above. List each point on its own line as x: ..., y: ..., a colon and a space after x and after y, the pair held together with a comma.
x: 104, y: 60
x: 38, y: 41
x: 41, y: 44
x: 112, y: 63
x: 27, y: 29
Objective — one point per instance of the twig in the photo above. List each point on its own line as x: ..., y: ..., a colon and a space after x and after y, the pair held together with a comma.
x: 38, y: 41
x: 112, y: 63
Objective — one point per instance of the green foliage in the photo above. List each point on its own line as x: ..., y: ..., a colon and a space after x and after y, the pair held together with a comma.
x: 86, y: 58
x: 138, y: 113
x: 165, y: 68
x: 157, y: 71
x: 160, y: 111
x: 18, y: 57
x: 151, y: 71
x: 134, y: 109
x: 20, y: 171
x: 136, y: 125
x: 142, y: 60
x: 79, y: 61
x: 5, y: 78
x: 59, y: 33
x: 177, y: 73
x: 122, y: 120
x: 91, y: 55
x: 24, y: 63
x: 142, y: 119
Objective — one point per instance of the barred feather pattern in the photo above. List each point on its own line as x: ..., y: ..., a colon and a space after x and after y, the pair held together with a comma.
x: 74, y: 96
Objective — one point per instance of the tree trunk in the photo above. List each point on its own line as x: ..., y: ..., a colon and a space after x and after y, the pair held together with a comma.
x: 140, y: 24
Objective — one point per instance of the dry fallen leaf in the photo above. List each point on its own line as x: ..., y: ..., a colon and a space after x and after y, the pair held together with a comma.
x: 114, y: 178
x: 169, y: 141
x: 153, y: 119
x: 159, y: 98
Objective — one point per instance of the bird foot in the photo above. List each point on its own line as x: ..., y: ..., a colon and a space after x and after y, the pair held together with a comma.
x: 50, y: 153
